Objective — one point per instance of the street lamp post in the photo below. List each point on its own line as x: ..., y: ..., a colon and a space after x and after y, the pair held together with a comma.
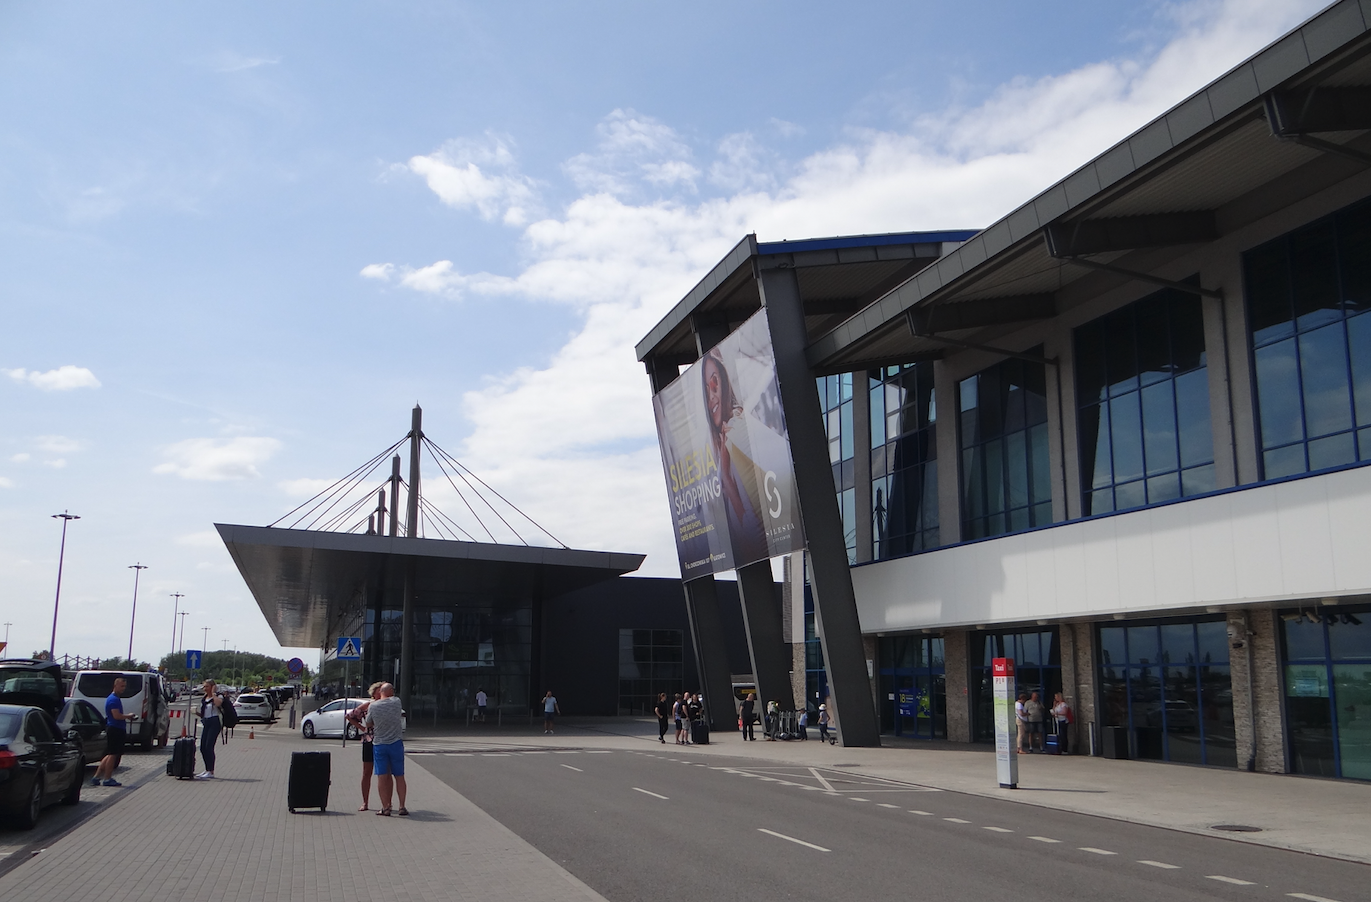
x: 175, y: 612
x: 181, y: 644
x: 57, y: 599
x: 133, y: 618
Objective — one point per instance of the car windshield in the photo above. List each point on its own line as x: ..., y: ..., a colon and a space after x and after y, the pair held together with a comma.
x: 13, y: 679
x: 251, y: 699
x: 9, y: 725
x: 100, y: 685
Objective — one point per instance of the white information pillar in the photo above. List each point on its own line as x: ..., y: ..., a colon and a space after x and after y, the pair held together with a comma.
x: 1006, y: 726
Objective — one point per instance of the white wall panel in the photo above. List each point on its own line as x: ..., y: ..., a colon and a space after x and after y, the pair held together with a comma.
x: 1301, y: 539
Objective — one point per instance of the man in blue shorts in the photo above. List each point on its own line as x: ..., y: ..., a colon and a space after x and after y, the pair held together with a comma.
x: 115, y: 719
x: 387, y: 721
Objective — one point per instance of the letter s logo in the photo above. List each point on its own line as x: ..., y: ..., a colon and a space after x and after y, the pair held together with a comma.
x: 773, y: 494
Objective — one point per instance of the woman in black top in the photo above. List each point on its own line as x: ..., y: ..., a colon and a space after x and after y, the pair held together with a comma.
x: 663, y: 711
x: 749, y: 706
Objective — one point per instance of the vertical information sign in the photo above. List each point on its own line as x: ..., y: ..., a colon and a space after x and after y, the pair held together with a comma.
x: 1006, y: 726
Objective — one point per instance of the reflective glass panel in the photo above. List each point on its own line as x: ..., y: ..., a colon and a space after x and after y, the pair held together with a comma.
x: 1278, y: 389
x: 1323, y: 374
x: 1352, y: 688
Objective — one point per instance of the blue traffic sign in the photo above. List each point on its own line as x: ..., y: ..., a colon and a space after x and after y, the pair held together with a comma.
x: 193, y: 659
x: 349, y: 648
x: 295, y: 665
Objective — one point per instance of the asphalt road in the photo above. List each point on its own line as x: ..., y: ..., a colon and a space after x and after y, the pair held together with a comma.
x: 634, y: 825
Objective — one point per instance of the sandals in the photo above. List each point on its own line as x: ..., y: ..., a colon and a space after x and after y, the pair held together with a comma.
x: 384, y: 812
x: 364, y: 807
x: 403, y: 812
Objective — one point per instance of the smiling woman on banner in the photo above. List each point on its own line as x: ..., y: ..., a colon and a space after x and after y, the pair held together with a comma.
x: 724, y: 413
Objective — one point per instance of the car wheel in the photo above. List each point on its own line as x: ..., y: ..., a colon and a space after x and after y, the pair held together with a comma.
x: 28, y: 815
x: 308, y: 729
x: 73, y: 796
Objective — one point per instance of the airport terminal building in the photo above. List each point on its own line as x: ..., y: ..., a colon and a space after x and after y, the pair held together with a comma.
x: 1120, y: 435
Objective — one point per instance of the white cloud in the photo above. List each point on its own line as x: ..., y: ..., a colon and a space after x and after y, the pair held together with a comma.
x: 216, y: 459
x: 56, y: 444
x: 64, y: 378
x: 627, y: 250
x: 6, y: 483
x: 378, y: 271
x: 20, y: 458
x: 496, y: 192
x: 304, y: 487
x: 206, y: 539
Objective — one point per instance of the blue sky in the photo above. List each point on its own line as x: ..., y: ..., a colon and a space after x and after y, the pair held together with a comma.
x: 255, y: 237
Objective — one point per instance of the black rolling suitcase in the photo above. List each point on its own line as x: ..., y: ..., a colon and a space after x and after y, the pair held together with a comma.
x: 699, y: 732
x: 182, y: 763
x: 309, y: 780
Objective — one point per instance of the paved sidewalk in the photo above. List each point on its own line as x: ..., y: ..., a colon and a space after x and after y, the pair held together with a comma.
x: 233, y: 839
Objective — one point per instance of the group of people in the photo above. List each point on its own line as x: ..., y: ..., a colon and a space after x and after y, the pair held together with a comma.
x: 687, y: 708
x: 1032, y: 717
x: 380, y: 723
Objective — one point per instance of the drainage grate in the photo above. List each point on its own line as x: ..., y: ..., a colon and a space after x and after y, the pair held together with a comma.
x: 1236, y: 828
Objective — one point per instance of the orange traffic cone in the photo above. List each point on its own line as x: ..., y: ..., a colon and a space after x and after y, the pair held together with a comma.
x: 252, y: 733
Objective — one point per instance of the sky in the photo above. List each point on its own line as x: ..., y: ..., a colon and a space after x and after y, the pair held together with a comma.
x: 237, y: 245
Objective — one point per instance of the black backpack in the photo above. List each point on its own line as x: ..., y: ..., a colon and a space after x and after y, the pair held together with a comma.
x: 228, y: 715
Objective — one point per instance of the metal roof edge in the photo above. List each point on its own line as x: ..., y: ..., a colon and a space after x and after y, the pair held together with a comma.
x: 765, y: 248
x: 735, y: 258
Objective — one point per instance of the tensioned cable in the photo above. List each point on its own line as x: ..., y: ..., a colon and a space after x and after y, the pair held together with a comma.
x: 463, y: 498
x: 333, y: 522
x: 433, y: 508
x: 323, y: 496
x: 458, y: 464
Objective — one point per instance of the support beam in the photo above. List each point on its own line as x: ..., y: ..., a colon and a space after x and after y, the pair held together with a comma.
x: 765, y: 641
x: 1321, y: 109
x: 711, y: 653
x: 662, y: 371
x: 835, y: 604
x: 709, y: 329
x: 1189, y: 287
x: 976, y: 314
x: 406, y: 686
x: 1127, y: 233
x: 971, y: 346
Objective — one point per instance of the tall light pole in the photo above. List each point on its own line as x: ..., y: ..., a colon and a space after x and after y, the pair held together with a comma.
x: 133, y: 618
x: 8, y: 624
x: 61, y: 554
x: 175, y: 612
x: 204, y: 643
x: 181, y: 644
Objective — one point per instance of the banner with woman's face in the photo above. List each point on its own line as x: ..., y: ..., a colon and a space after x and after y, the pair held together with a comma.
x: 726, y: 457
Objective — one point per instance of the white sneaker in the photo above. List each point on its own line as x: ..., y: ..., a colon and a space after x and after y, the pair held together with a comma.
x: 204, y: 776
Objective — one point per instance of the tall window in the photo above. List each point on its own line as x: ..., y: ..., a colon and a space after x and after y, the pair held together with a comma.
x: 914, y: 686
x: 650, y: 661
x: 1307, y: 294
x: 1143, y: 388
x: 1038, y: 668
x: 1328, y: 690
x: 904, y: 460
x: 835, y: 397
x: 1005, y: 482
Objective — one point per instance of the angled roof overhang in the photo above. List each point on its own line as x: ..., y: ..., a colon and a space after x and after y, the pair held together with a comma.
x: 1290, y: 121
x: 311, y: 584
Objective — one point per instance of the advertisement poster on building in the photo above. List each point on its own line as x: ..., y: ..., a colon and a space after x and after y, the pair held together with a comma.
x: 726, y: 457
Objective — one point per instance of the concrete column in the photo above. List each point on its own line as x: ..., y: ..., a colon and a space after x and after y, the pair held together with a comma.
x: 1066, y: 647
x: 957, y: 666
x: 835, y: 605
x: 949, y: 456
x: 711, y: 653
x: 765, y: 643
x: 1242, y: 394
x: 1061, y: 408
x: 1258, y: 696
x: 1085, y: 674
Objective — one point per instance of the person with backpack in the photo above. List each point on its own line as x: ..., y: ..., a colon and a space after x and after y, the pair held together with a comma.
x: 1065, y: 717
x: 211, y: 724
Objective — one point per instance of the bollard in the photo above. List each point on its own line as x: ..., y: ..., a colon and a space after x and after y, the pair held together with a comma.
x: 292, y: 715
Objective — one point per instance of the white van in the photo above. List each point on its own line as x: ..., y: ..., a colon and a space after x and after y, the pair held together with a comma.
x: 144, y: 696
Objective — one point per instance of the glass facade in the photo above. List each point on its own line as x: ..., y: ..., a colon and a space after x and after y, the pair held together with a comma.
x: 1037, y: 665
x: 650, y: 661
x: 1005, y: 471
x: 1327, y: 660
x: 913, y: 686
x: 1169, y: 685
x: 904, y: 460
x: 1307, y: 295
x: 1142, y: 387
x: 835, y: 397
x: 816, y: 677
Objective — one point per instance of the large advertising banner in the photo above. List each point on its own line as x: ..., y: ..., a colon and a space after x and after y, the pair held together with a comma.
x: 726, y: 456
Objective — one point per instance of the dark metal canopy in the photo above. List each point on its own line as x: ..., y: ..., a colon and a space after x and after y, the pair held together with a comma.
x: 311, y: 585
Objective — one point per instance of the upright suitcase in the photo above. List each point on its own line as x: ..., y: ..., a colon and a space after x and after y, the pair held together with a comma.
x: 182, y: 763
x: 309, y: 780
x: 699, y: 732
x: 1052, y: 743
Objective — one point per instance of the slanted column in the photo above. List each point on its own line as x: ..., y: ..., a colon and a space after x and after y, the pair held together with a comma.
x: 765, y: 642
x: 835, y: 604
x: 711, y: 653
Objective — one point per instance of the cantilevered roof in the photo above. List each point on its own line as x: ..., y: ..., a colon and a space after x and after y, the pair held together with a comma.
x: 1285, y: 124
x: 311, y: 585
x: 837, y: 276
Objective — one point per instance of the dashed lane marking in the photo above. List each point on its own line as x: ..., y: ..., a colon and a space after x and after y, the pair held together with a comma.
x: 569, y: 767
x: 496, y: 755
x: 999, y: 829
x: 647, y: 792
x: 1308, y: 898
x: 1159, y: 864
x: 921, y: 813
x: 1233, y: 880
x: 1096, y: 851
x: 801, y: 842
x: 887, y: 805
x: 1044, y: 839
x: 956, y: 820
x: 855, y: 799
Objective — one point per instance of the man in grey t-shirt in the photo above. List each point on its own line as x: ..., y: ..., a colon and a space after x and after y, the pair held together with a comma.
x: 386, y: 719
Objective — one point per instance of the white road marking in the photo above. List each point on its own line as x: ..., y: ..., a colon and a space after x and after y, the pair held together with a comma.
x: 855, y: 799
x: 923, y: 813
x: 653, y: 794
x: 577, y: 752
x: 1044, y: 839
x: 569, y: 767
x: 887, y: 805
x: 1308, y: 898
x: 820, y: 777
x: 1233, y: 880
x: 1159, y: 864
x: 999, y: 829
x: 956, y: 820
x: 599, y: 751
x: 801, y: 842
x: 1096, y: 851
x: 496, y: 755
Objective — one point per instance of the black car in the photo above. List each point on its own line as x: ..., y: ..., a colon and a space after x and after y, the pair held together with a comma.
x: 26, y: 681
x: 81, y: 717
x: 38, y: 765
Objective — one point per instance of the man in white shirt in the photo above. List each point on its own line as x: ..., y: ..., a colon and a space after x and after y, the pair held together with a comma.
x: 481, y: 705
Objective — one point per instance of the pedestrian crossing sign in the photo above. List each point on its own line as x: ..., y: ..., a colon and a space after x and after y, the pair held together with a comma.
x: 349, y: 648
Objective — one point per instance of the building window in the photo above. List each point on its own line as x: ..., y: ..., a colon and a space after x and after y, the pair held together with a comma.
x: 1005, y: 482
x: 1168, y: 685
x: 1328, y: 690
x: 904, y: 460
x: 1037, y: 664
x: 913, y: 687
x: 835, y: 397
x: 650, y: 661
x: 1142, y: 386
x: 1307, y: 294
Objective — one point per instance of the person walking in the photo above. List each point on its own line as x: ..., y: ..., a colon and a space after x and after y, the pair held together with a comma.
x: 481, y: 699
x: 663, y: 711
x: 824, y: 720
x: 115, y: 733
x: 550, y: 710
x: 747, y: 714
x: 210, y: 727
x: 678, y: 712
x: 773, y: 720
x: 1037, y: 716
x: 358, y: 718
x: 386, y: 719
x: 1021, y: 721
x: 1064, y: 716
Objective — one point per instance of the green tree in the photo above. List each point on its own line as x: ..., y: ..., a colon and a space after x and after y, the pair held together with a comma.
x: 240, y: 668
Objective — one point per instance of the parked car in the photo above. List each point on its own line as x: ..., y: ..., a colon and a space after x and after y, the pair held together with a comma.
x: 26, y: 681
x: 80, y: 717
x: 38, y: 765
x: 143, y: 697
x: 253, y: 707
x: 330, y: 720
